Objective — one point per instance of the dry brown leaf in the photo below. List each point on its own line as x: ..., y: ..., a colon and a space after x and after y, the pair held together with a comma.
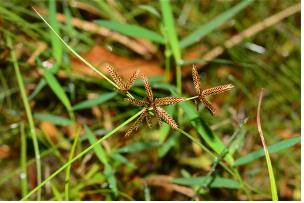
x: 99, y: 56
x: 50, y: 130
x: 5, y: 151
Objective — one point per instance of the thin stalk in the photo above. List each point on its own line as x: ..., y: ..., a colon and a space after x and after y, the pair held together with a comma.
x: 80, y: 155
x: 232, y: 172
x: 23, y: 171
x: 28, y: 113
x: 273, y: 187
x: 178, y: 78
x: 68, y: 170
x: 190, y: 98
x: 75, y: 53
x: 167, y: 63
x: 206, y: 149
x: 219, y: 158
x: 80, y: 57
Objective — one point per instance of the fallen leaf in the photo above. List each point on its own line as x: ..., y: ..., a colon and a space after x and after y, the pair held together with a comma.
x: 99, y: 56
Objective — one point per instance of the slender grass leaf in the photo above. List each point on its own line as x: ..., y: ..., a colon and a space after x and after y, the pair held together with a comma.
x: 150, y: 9
x: 165, y: 148
x: 217, y: 182
x: 118, y: 157
x: 38, y: 88
x: 93, y: 102
x: 136, y: 147
x: 56, y: 45
x: 57, y: 120
x: 213, y: 24
x: 57, y: 89
x: 169, y: 27
x: 103, y: 157
x: 132, y: 30
x: 280, y: 146
x: 23, y: 162
x: 212, y: 140
x: 56, y: 192
x: 68, y: 169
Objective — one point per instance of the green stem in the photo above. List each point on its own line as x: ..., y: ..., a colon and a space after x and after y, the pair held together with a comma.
x: 76, y: 54
x: 190, y: 98
x: 68, y: 170
x: 178, y: 78
x: 28, y: 113
x: 81, y: 58
x: 206, y: 149
x: 23, y: 172
x: 80, y: 155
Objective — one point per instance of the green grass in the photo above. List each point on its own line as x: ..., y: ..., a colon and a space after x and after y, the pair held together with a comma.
x: 28, y: 112
x: 54, y: 174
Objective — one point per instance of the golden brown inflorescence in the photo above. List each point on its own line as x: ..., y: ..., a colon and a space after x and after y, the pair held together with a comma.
x: 153, y: 106
x: 202, y: 94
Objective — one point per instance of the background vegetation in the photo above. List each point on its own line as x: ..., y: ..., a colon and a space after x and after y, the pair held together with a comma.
x: 53, y: 106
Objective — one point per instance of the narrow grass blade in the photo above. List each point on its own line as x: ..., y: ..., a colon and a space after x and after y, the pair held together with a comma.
x: 150, y: 9
x: 274, y: 192
x: 93, y: 102
x: 23, y: 162
x: 81, y: 154
x: 56, y: 192
x: 76, y: 54
x: 165, y: 147
x: 68, y: 169
x: 171, y: 37
x: 58, y: 90
x: 170, y: 28
x: 203, y: 30
x: 103, y: 157
x: 57, y: 120
x: 121, y: 159
x: 56, y: 45
x: 212, y: 140
x: 39, y: 87
x: 280, y: 146
x: 28, y: 113
x: 217, y: 182
x: 132, y: 30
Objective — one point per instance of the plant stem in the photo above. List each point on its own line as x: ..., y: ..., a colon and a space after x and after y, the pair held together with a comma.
x: 76, y: 54
x: 273, y: 187
x: 68, y: 170
x: 206, y: 149
x: 190, y: 98
x: 28, y: 113
x: 80, y: 155
x: 81, y: 58
x: 178, y: 78
x: 23, y: 172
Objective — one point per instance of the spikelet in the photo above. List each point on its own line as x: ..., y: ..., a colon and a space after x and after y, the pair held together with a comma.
x: 148, y: 88
x: 165, y: 116
x: 157, y: 114
x: 117, y: 79
x: 132, y: 79
x: 122, y: 86
x: 208, y: 105
x: 217, y: 90
x: 168, y: 101
x: 137, y: 102
x: 136, y: 124
x: 196, y: 80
